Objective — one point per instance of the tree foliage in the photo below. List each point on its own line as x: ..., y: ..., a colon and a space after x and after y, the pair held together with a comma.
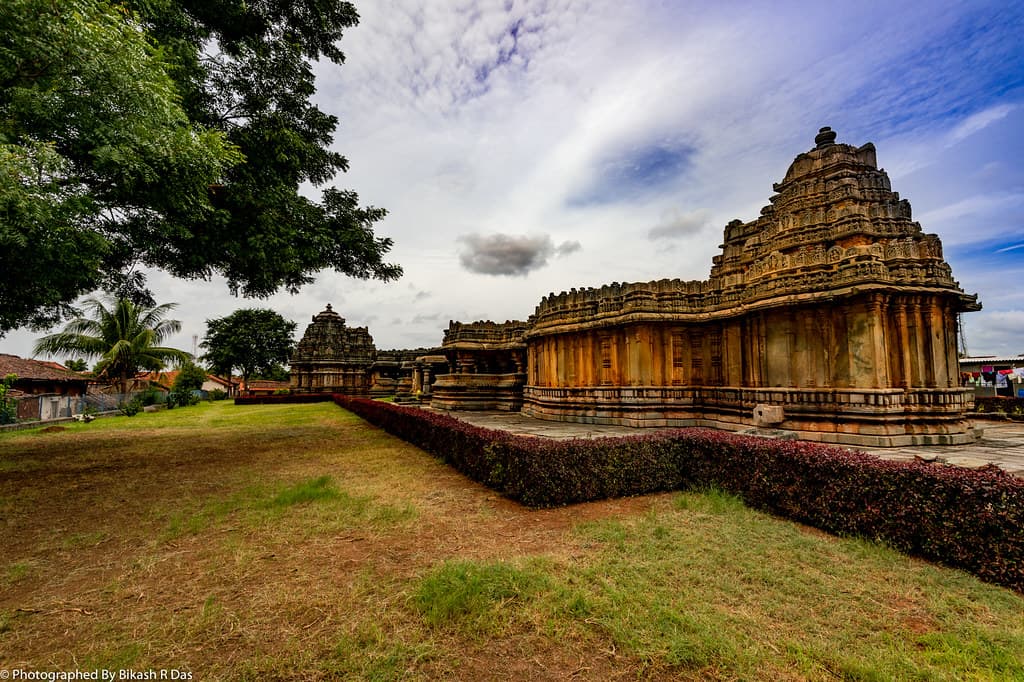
x: 254, y: 340
x: 98, y: 158
x: 191, y: 377
x: 124, y: 336
x: 172, y: 134
x: 8, y: 406
x: 77, y: 365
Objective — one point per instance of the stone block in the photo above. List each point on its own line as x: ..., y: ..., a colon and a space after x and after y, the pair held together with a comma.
x: 768, y: 415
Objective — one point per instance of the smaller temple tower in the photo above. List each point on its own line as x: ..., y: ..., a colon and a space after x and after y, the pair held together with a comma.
x: 333, y: 358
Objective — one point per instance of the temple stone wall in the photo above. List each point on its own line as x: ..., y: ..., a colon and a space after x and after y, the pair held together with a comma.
x: 832, y: 308
x: 489, y: 363
x: 333, y: 358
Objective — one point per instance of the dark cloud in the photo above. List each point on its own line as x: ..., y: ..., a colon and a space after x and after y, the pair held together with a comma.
x: 420, y: 295
x: 565, y: 248
x: 627, y: 174
x: 515, y: 255
x: 674, y: 225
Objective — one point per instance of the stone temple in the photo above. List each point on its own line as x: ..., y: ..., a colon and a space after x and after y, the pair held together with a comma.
x: 832, y: 315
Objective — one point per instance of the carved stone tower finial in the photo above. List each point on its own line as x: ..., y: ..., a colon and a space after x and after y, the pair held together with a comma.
x: 825, y: 137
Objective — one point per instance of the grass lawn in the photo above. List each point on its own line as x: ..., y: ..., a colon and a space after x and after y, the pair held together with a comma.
x: 298, y: 542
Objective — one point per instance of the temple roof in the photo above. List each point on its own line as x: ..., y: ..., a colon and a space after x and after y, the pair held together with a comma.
x: 833, y: 228
x: 328, y: 340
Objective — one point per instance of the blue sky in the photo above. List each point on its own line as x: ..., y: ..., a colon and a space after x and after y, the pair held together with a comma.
x: 525, y: 147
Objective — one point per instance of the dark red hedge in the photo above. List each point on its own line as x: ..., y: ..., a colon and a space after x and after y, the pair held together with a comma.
x: 963, y: 518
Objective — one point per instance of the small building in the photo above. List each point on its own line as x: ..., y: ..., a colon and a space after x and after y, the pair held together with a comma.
x: 489, y: 359
x: 164, y: 381
x: 264, y: 387
x: 993, y: 375
x: 46, y: 390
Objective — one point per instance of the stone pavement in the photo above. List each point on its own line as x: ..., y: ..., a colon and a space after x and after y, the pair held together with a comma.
x: 1001, y: 443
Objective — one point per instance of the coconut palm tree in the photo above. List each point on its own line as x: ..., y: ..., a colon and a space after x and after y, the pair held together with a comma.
x: 124, y: 336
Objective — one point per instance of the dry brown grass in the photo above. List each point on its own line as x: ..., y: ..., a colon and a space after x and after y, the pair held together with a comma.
x: 181, y: 540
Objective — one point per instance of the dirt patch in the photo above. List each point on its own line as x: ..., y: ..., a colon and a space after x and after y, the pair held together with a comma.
x: 92, y: 560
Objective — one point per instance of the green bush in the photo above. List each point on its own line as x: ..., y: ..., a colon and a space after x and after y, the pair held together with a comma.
x: 8, y: 405
x: 191, y: 377
x: 1000, y: 406
x: 152, y: 396
x: 217, y: 394
x: 131, y: 407
x: 182, y: 399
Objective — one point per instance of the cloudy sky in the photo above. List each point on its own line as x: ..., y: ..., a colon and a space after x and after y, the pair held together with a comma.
x: 528, y: 146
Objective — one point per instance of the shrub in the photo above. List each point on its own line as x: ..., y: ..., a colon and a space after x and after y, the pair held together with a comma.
x: 182, y: 399
x: 217, y: 394
x: 8, y: 405
x: 131, y: 407
x: 152, y: 396
x: 964, y: 518
x: 191, y: 377
x: 1000, y: 406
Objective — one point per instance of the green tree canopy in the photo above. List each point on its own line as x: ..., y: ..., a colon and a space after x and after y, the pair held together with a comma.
x: 77, y: 365
x: 255, y: 340
x: 191, y: 377
x: 171, y: 134
x: 98, y: 158
x: 124, y: 336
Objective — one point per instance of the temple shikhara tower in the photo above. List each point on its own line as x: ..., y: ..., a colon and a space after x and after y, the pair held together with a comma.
x: 333, y: 357
x: 832, y: 315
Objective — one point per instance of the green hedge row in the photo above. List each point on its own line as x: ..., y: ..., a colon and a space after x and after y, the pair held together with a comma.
x: 964, y: 518
x: 999, y: 406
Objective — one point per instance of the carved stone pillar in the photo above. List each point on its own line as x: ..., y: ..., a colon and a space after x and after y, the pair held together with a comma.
x: 876, y: 324
x: 918, y: 355
x: 903, y: 339
x: 824, y: 319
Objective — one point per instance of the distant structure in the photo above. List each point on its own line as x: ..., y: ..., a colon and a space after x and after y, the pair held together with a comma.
x: 831, y: 315
x: 335, y: 358
x: 332, y: 357
x: 490, y: 367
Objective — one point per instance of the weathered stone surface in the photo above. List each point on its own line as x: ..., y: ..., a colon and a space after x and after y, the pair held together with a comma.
x: 489, y: 367
x: 832, y: 305
x: 768, y: 415
x: 332, y: 357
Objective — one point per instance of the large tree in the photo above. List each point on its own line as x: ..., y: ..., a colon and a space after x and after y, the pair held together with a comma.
x: 124, y: 336
x: 97, y: 154
x: 254, y: 340
x: 172, y: 134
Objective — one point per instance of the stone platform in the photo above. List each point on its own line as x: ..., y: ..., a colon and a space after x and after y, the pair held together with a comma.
x: 1000, y: 444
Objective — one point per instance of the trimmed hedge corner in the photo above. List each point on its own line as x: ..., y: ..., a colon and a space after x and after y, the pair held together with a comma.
x: 967, y: 519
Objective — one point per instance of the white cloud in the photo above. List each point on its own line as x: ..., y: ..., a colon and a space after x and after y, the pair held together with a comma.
x: 979, y: 121
x: 675, y: 224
